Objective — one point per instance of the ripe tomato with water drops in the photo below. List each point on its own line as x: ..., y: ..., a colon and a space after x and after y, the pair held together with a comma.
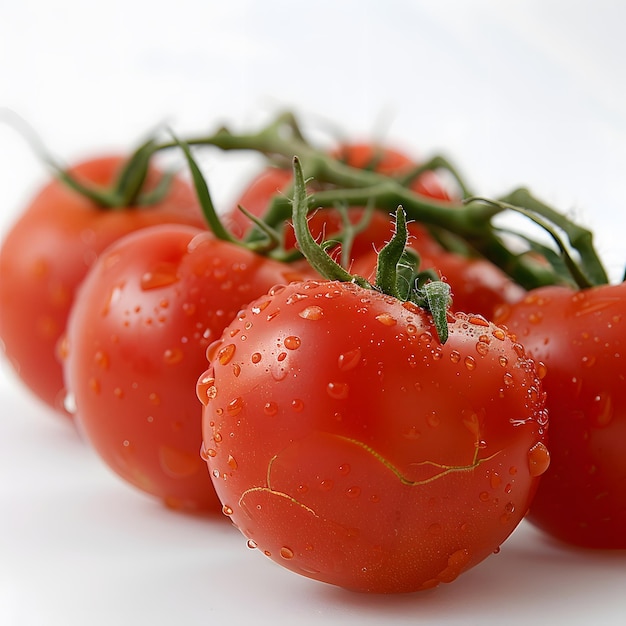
x: 349, y: 445
x: 136, y: 341
x: 48, y: 251
x: 581, y: 337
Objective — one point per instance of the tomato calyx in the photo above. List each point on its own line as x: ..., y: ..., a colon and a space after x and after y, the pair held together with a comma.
x: 396, y: 275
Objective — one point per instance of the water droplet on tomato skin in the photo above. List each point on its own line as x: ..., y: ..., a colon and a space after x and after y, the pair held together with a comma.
x: 482, y: 348
x: 470, y: 363
x: 251, y: 544
x: 353, y: 492
x: 163, y: 275
x: 270, y: 409
x: 286, y: 553
x: 538, y: 459
x: 205, y: 387
x: 386, y: 319
x: 235, y: 406
x: 313, y: 313
x: 292, y: 342
x: 337, y: 390
x: 227, y: 510
x: 226, y: 353
x: 173, y: 356
x: 601, y: 410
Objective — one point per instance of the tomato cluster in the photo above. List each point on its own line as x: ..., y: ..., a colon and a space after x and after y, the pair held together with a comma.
x: 296, y: 369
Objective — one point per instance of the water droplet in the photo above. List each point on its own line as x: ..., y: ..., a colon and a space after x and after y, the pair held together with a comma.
x: 162, y: 275
x: 281, y: 356
x: 477, y: 320
x: 538, y: 459
x: 588, y: 361
x: 353, y: 492
x: 312, y: 313
x: 189, y: 308
x: 482, y: 348
x: 349, y: 360
x: 256, y: 357
x: 235, y: 406
x: 286, y: 553
x: 270, y: 408
x: 344, y: 469
x: 499, y: 334
x: 226, y: 353
x: 297, y: 405
x: 207, y: 453
x: 227, y: 510
x: 172, y: 356
x: 327, y: 484
x: 503, y: 361
x: 455, y: 356
x: 232, y: 463
x: 483, y: 496
x: 338, y: 391
x: 508, y: 379
x: 251, y: 544
x: 101, y: 359
x: 260, y: 306
x: 470, y: 363
x: 495, y: 481
x: 205, y: 388
x: 292, y: 342
x: 69, y: 403
x: 386, y: 320
x: 236, y: 369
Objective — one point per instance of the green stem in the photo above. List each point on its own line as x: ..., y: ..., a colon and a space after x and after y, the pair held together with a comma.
x: 470, y: 222
x: 581, y: 239
x: 314, y: 253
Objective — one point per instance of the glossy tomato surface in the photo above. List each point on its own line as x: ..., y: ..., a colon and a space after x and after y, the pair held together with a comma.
x: 581, y: 337
x: 137, y: 338
x: 348, y: 445
x: 48, y: 251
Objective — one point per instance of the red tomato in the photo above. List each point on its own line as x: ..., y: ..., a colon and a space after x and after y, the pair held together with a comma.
x: 136, y: 341
x: 46, y: 255
x: 581, y: 338
x: 350, y: 446
x: 328, y: 221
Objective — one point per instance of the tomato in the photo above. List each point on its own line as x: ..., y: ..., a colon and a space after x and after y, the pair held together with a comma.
x: 47, y: 253
x: 328, y: 221
x: 580, y: 336
x: 136, y: 341
x: 350, y: 446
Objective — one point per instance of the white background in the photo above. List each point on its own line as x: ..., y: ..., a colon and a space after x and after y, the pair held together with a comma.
x: 515, y: 92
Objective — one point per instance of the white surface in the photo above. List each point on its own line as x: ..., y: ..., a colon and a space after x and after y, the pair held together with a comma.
x: 515, y: 92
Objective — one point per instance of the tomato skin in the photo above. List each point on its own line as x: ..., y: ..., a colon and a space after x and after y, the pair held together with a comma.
x: 136, y: 340
x: 350, y: 446
x: 580, y: 336
x: 48, y: 251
